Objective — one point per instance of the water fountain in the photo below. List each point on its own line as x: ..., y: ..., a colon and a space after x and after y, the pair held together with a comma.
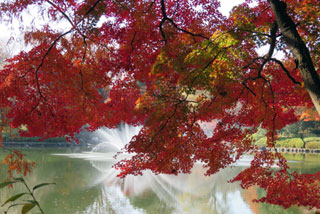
x: 177, y: 192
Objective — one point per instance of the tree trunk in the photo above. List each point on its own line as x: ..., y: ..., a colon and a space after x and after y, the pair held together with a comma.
x: 299, y: 50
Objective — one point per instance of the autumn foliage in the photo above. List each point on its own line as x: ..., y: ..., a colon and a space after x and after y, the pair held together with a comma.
x: 17, y: 164
x: 170, y: 66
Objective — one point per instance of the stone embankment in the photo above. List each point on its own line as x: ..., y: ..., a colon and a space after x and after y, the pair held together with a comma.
x: 296, y: 150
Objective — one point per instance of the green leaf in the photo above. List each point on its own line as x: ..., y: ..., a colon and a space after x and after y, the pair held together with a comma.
x: 4, y: 184
x: 32, y: 201
x: 41, y: 185
x: 13, y: 198
x: 13, y: 205
x: 27, y: 207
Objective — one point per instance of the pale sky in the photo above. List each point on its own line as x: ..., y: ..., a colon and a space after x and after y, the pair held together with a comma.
x: 13, y: 31
x: 227, y: 5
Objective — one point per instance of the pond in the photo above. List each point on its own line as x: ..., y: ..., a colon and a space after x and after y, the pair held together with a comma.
x: 86, y: 183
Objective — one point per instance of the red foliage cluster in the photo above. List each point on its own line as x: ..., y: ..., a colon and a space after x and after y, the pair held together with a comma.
x: 17, y: 163
x: 166, y: 65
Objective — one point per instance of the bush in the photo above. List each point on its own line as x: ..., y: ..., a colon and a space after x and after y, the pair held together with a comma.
x: 261, y: 142
x: 284, y: 142
x: 313, y: 145
x: 290, y: 143
x: 311, y: 142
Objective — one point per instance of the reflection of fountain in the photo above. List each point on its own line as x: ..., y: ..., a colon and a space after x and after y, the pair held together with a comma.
x: 185, y: 193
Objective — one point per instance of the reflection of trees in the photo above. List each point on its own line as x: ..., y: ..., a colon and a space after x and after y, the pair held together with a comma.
x: 249, y: 195
x: 72, y: 177
x: 101, y: 205
x: 303, y: 163
x: 223, y: 193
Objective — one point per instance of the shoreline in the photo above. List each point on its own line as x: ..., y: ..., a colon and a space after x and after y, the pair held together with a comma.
x: 294, y: 150
x: 63, y: 144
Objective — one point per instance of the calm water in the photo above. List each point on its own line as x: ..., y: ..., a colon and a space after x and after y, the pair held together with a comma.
x: 87, y: 184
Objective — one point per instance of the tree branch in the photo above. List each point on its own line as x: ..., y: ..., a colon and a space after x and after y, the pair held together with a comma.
x: 286, y: 71
x: 166, y: 18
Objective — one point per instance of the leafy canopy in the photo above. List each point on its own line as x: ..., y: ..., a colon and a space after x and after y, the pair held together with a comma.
x: 170, y: 66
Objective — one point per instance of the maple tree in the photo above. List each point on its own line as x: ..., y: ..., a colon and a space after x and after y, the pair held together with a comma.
x: 169, y: 65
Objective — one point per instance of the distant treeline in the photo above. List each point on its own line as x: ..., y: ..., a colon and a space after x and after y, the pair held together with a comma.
x: 30, y: 139
x: 302, y: 128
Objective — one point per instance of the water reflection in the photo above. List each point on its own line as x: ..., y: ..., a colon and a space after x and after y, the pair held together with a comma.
x: 86, y: 183
x: 73, y: 177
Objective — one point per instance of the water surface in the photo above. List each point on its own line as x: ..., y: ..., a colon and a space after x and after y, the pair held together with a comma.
x: 87, y: 184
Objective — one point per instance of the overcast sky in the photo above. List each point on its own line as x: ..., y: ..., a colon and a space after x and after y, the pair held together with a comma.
x: 12, y: 31
x: 227, y: 5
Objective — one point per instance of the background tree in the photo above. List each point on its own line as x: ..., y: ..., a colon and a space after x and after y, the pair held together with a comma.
x: 5, y: 53
x: 194, y: 64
